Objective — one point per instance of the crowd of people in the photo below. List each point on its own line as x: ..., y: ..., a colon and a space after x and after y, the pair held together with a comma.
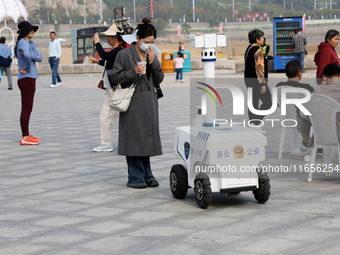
x: 327, y: 78
x: 139, y: 136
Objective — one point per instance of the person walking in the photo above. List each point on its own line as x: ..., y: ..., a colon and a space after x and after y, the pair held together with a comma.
x: 299, y: 42
x: 266, y: 49
x: 326, y: 54
x: 254, y: 77
x: 139, y: 136
x: 54, y: 57
x: 179, y: 61
x: 5, y: 61
x: 27, y: 53
x: 107, y: 115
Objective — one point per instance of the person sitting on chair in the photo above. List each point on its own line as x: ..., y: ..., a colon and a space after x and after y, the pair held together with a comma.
x: 293, y: 71
x: 331, y: 74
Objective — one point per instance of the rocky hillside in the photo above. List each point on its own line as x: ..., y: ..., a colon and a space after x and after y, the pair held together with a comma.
x: 92, y: 5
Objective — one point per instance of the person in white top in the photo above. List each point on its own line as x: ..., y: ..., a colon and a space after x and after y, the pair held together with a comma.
x: 54, y: 56
x: 179, y: 61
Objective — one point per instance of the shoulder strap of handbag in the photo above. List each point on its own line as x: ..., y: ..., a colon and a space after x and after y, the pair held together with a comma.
x: 245, y: 58
x: 104, y: 69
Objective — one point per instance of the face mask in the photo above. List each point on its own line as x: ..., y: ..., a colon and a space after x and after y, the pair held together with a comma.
x: 144, y: 47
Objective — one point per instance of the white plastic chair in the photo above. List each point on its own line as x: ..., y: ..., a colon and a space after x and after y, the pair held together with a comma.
x: 323, y: 119
x: 290, y: 114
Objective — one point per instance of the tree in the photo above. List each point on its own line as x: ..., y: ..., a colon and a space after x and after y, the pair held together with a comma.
x: 160, y: 25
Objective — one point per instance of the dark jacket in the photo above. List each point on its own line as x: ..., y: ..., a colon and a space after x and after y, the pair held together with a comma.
x: 296, y: 84
x: 109, y: 56
x: 325, y: 55
x: 139, y: 125
x: 251, y: 74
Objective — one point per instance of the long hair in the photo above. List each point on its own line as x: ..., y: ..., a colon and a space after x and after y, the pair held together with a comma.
x: 121, y: 41
x: 16, y: 45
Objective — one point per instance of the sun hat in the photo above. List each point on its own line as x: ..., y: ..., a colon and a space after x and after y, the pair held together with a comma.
x: 113, y: 30
x: 24, y: 27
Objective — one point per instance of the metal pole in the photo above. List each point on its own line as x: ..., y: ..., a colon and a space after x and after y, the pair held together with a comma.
x: 171, y: 10
x: 314, y: 4
x: 233, y: 10
x: 193, y: 10
x: 249, y: 5
x: 284, y: 4
x: 134, y: 11
x: 84, y: 11
x: 101, y: 11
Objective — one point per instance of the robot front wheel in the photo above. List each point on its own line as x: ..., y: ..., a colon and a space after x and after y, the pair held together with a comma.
x: 202, y: 190
x: 262, y: 193
x: 178, y: 181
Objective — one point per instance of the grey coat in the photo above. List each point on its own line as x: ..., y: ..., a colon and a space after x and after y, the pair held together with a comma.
x: 139, y: 125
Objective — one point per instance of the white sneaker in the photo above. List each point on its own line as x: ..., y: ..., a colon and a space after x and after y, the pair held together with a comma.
x: 103, y: 148
x: 181, y: 81
x: 55, y: 85
x: 259, y: 129
x: 60, y: 83
x: 302, y: 151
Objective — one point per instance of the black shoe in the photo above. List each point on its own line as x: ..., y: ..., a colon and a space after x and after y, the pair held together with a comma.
x: 137, y: 186
x: 152, y: 184
x: 10, y: 89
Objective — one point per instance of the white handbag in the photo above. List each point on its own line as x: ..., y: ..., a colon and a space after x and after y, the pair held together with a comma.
x: 121, y: 97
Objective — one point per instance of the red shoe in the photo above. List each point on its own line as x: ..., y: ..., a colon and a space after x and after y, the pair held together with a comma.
x: 34, y: 138
x: 27, y: 140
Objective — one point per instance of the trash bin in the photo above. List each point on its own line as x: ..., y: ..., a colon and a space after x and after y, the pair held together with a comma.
x: 168, y: 65
x: 187, y: 60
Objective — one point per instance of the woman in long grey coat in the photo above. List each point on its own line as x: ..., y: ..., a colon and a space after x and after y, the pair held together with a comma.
x: 139, y: 136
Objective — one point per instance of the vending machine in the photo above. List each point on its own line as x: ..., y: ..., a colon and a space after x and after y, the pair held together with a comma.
x: 284, y: 30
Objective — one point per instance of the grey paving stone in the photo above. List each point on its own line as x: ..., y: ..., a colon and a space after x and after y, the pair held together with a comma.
x: 60, y: 198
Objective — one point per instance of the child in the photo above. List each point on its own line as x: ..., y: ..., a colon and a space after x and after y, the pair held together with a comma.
x: 180, y: 46
x: 179, y: 61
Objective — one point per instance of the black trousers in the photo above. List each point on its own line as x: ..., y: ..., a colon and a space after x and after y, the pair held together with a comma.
x: 266, y: 101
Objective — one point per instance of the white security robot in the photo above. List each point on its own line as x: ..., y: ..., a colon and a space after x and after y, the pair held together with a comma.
x: 217, y: 158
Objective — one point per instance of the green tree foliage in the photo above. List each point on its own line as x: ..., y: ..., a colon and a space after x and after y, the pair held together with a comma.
x: 160, y: 25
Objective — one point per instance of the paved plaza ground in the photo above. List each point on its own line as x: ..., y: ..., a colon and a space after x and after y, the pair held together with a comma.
x: 60, y: 198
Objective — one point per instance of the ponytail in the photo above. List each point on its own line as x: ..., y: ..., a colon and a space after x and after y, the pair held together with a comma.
x: 16, y: 46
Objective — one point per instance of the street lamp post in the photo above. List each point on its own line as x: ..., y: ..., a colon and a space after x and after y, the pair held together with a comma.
x: 233, y: 10
x: 134, y: 11
x: 193, y: 10
x: 84, y: 11
x: 101, y: 11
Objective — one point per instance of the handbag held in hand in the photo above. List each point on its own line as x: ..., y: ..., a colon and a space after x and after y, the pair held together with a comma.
x: 121, y: 97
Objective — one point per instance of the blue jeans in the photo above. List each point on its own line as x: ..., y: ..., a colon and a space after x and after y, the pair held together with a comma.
x: 301, y: 57
x: 179, y: 73
x: 139, y: 170
x: 54, y: 67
